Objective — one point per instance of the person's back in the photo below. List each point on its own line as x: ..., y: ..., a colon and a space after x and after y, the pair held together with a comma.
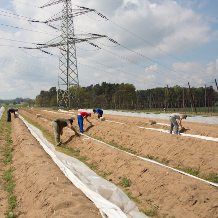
x: 9, y: 111
x: 176, y: 115
x: 173, y: 121
x: 58, y: 124
x: 62, y: 122
x: 84, y: 114
x: 98, y: 110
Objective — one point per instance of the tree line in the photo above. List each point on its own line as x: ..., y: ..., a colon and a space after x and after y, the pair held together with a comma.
x: 125, y: 96
x: 18, y: 101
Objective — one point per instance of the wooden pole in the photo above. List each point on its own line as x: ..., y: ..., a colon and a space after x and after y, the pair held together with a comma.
x: 208, y: 101
x: 205, y: 100
x: 183, y: 100
x: 150, y: 101
x: 192, y: 98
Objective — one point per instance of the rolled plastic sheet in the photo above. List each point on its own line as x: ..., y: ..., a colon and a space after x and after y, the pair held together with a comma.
x: 108, y: 198
x: 2, y: 110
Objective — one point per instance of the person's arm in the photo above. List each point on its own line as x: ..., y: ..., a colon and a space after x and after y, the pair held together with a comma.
x: 180, y: 122
x: 88, y: 120
x: 61, y: 131
x: 71, y: 126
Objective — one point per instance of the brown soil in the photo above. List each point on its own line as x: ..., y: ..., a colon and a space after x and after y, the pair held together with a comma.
x: 42, y: 190
x: 41, y: 195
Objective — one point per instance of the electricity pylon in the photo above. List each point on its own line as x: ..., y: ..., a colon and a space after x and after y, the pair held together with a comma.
x: 68, y: 74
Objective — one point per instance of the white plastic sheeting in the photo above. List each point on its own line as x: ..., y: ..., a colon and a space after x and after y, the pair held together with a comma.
x: 2, y: 110
x: 165, y: 131
x: 198, y: 119
x: 184, y: 134
x: 108, y: 198
x: 152, y: 161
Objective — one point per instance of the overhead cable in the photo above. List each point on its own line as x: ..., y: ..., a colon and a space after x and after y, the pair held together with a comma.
x: 155, y: 46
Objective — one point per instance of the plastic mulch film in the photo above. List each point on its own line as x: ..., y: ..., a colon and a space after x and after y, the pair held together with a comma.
x: 161, y: 130
x: 2, y: 110
x: 108, y: 198
x: 162, y: 116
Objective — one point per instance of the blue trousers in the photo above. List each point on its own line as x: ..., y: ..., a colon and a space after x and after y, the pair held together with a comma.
x: 100, y: 114
x: 80, y: 123
x: 173, y: 122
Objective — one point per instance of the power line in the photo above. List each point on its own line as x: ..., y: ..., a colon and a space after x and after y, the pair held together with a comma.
x: 154, y: 61
x: 116, y: 70
x: 156, y: 71
x: 154, y: 45
x: 138, y: 64
x: 26, y: 29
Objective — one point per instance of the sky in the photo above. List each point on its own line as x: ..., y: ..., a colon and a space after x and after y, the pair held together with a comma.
x: 159, y: 43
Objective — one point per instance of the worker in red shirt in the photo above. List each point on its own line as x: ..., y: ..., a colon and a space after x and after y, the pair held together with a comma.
x: 80, y: 118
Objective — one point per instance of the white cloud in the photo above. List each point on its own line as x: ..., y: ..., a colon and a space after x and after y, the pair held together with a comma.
x: 153, y: 68
x: 17, y: 34
x: 96, y: 74
x: 149, y: 32
x: 215, y: 33
x: 212, y: 68
x: 202, y: 4
x: 197, y: 74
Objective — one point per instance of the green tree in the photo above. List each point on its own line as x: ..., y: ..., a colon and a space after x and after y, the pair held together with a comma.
x: 178, y: 94
x: 24, y: 104
x: 33, y: 102
x: 53, y: 101
x: 79, y: 94
x: 29, y: 102
x: 39, y: 100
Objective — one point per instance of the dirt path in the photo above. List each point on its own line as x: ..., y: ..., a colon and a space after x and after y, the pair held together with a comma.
x: 151, y: 186
x: 42, y: 190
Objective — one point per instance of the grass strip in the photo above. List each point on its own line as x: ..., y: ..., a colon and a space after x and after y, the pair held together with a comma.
x: 124, y: 183
x: 48, y: 136
x: 211, y: 177
x: 8, y: 175
x: 68, y: 151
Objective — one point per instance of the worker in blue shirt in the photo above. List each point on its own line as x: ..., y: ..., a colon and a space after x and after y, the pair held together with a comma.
x: 99, y: 112
x: 9, y: 111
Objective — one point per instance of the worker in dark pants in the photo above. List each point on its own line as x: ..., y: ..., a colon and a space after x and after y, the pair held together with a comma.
x: 9, y: 111
x: 58, y: 125
x: 99, y: 112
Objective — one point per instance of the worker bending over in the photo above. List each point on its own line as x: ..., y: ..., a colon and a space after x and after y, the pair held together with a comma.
x: 173, y: 122
x: 9, y: 111
x: 58, y: 125
x: 80, y: 118
x: 99, y: 112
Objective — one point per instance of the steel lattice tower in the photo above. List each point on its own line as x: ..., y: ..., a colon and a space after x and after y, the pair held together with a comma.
x: 68, y: 74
